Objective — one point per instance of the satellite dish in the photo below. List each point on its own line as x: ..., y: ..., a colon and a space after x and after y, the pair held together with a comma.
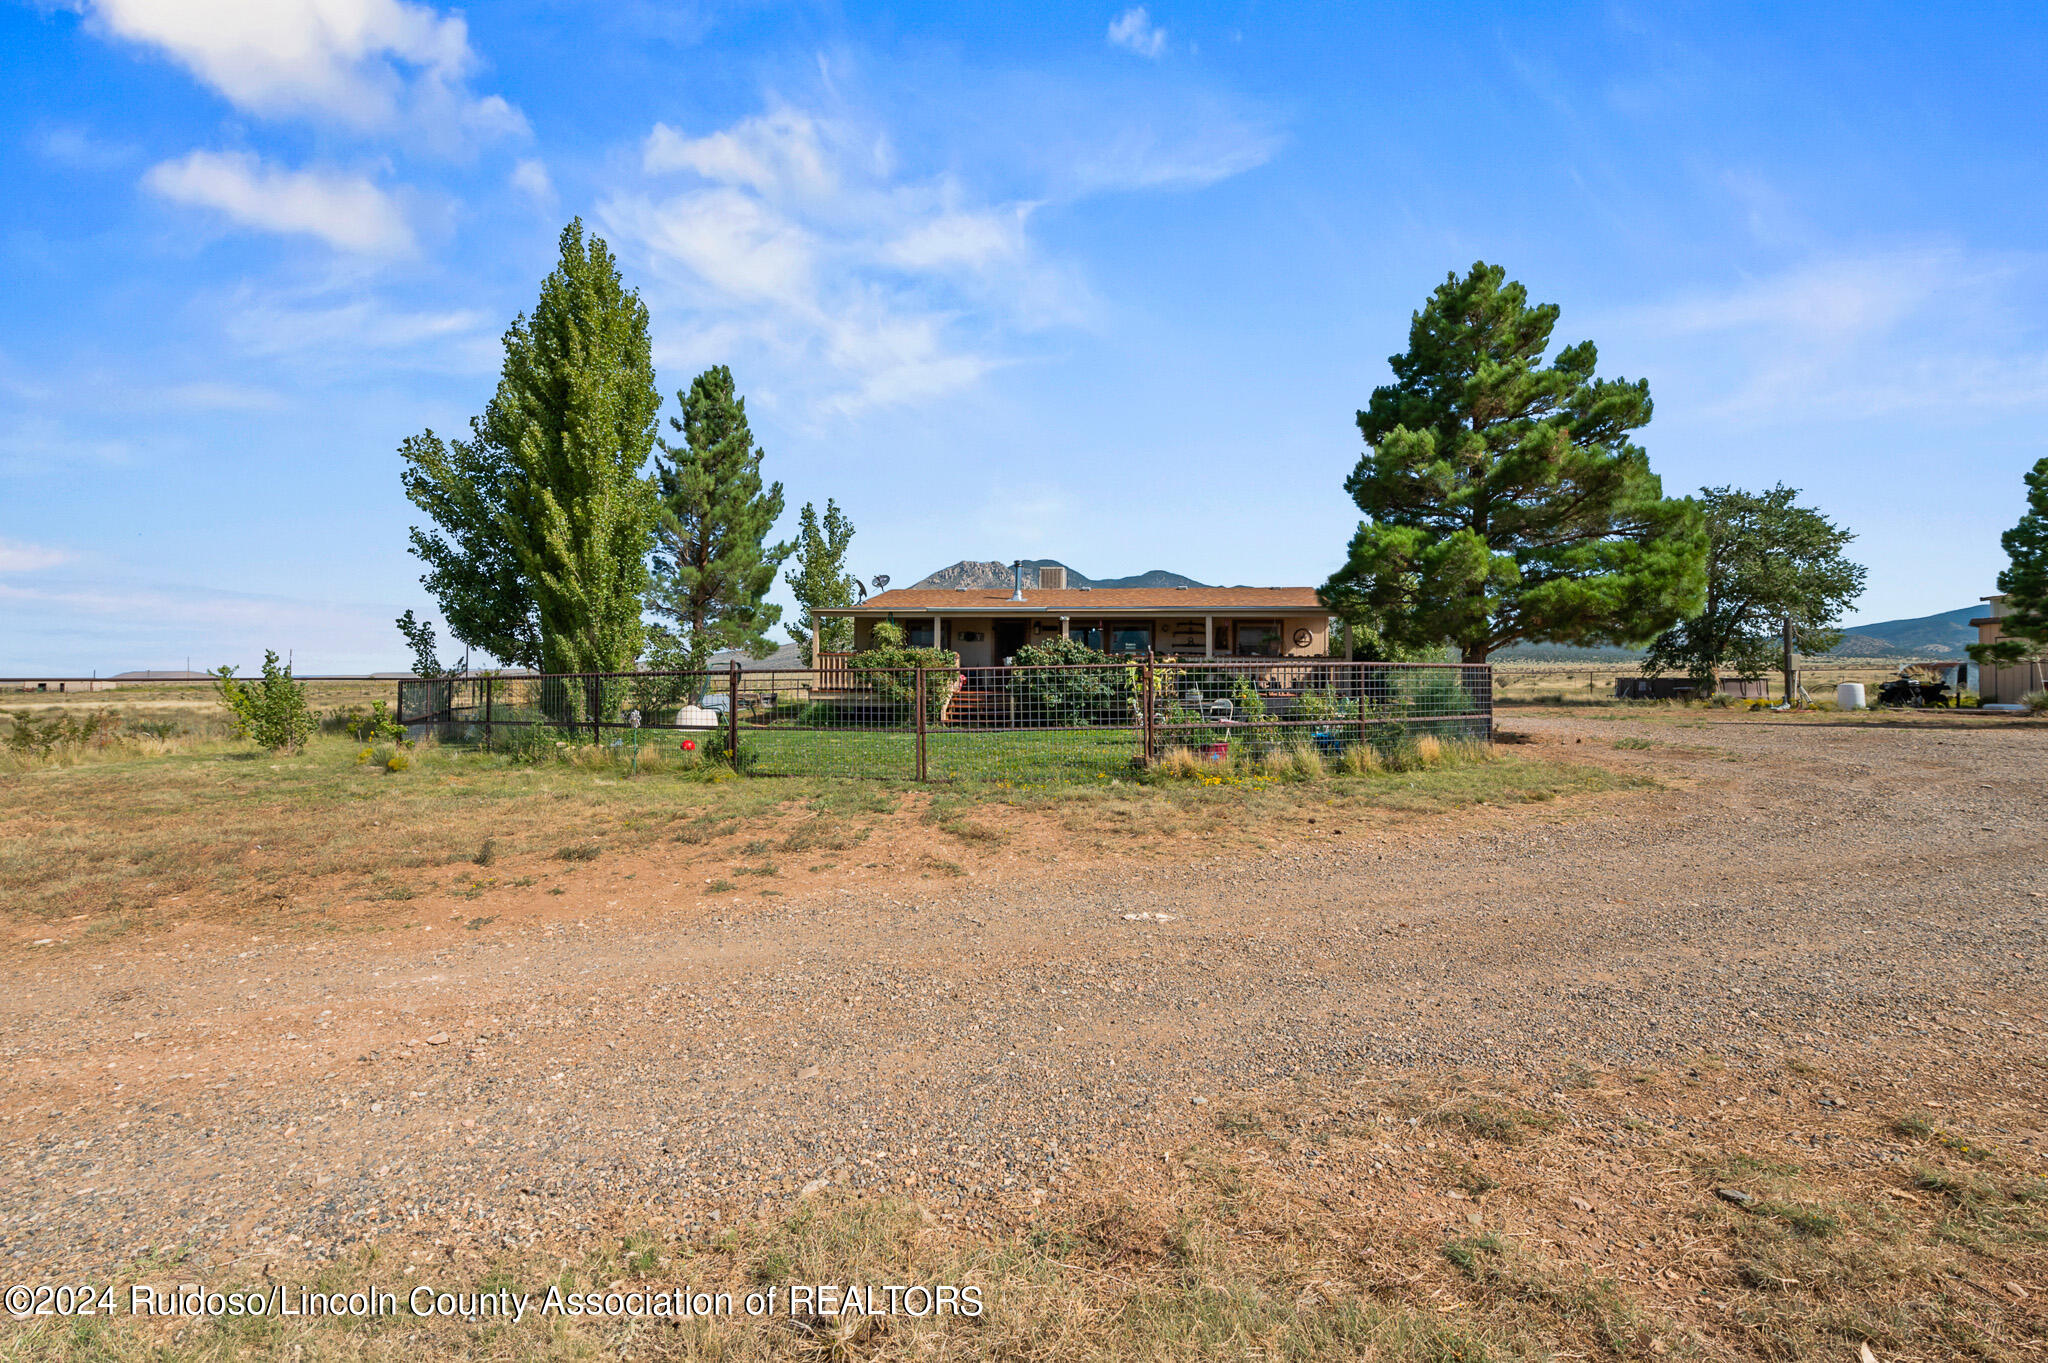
x: 881, y: 581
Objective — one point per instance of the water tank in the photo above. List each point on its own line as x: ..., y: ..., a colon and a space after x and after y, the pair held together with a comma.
x: 1849, y: 695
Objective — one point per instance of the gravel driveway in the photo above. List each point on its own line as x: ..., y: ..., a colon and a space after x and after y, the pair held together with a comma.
x: 1840, y: 890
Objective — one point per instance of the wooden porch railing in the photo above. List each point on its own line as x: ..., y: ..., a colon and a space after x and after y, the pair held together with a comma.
x: 832, y: 673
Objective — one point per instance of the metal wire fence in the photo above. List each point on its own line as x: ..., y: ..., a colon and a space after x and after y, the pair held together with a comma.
x: 1026, y: 725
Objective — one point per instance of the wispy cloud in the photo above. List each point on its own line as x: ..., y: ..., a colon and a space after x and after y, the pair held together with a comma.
x: 382, y: 66
x: 1134, y: 31
x: 1927, y: 329
x: 343, y: 330
x: 17, y: 556
x: 346, y: 211
x: 1193, y: 155
x: 868, y: 283
x: 531, y: 178
x: 81, y: 149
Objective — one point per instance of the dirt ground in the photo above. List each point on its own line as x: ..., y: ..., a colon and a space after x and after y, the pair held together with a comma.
x: 1803, y: 929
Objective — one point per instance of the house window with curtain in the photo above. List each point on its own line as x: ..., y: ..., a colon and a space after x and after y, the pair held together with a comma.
x: 1258, y: 639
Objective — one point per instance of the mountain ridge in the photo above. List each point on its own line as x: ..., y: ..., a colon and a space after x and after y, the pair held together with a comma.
x: 992, y: 573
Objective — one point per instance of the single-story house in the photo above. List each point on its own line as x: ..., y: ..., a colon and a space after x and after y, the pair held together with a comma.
x: 2010, y: 683
x: 986, y: 626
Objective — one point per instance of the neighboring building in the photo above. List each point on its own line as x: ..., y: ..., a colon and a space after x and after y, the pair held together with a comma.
x: 63, y: 684
x: 787, y: 658
x: 2005, y: 685
x: 985, y: 626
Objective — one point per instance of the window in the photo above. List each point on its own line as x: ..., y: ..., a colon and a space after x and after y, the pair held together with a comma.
x: 1130, y: 638
x: 1258, y: 639
x: 1088, y: 635
x: 917, y: 633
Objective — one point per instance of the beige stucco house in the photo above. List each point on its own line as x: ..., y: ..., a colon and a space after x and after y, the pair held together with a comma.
x: 985, y: 626
x: 2008, y: 684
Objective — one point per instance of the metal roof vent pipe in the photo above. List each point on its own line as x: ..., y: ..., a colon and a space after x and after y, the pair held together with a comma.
x: 1017, y: 592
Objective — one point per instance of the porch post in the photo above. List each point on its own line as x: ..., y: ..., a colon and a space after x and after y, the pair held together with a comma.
x: 1208, y: 636
x: 1063, y: 628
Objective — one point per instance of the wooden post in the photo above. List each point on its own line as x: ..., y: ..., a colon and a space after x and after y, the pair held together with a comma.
x: 917, y: 703
x: 1145, y: 718
x: 487, y: 712
x: 732, y: 714
x: 593, y: 696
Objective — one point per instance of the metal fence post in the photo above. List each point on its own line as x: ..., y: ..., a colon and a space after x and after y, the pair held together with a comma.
x: 593, y: 689
x: 1364, y: 718
x: 732, y: 713
x: 918, y: 703
x: 487, y: 712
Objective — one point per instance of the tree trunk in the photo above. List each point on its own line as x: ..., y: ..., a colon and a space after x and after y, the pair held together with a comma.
x: 1474, y: 655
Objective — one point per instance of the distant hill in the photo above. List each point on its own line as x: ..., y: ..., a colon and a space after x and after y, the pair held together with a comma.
x: 968, y: 573
x: 1941, y: 636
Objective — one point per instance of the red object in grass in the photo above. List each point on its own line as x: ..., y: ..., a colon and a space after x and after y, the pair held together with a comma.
x: 689, y: 745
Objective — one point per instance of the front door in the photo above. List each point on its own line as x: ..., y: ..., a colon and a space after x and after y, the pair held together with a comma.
x: 1009, y: 637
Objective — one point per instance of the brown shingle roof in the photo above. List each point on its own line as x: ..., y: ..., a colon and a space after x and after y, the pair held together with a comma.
x: 1076, y: 601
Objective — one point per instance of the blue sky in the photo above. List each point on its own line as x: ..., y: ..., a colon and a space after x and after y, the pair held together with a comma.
x: 1079, y: 281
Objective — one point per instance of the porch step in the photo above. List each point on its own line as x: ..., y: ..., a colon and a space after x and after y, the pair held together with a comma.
x: 971, y: 707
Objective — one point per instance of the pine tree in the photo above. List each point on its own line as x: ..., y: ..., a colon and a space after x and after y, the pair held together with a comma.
x: 1504, y: 500
x: 819, y: 578
x: 545, y: 515
x: 712, y: 567
x: 2023, y: 629
x: 1768, y: 560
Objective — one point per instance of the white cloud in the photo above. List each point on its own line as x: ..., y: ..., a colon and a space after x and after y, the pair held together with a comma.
x: 1134, y: 31
x: 793, y: 232
x: 865, y: 284
x: 963, y: 239
x: 17, y: 556
x: 346, y: 211
x: 372, y: 65
x: 531, y: 179
x: 780, y: 153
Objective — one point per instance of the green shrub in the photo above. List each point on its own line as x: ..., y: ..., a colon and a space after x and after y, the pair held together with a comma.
x: 271, y: 711
x: 62, y: 730
x: 885, y: 669
x: 1325, y: 707
x: 1097, y: 690
x: 377, y: 726
x: 2036, y: 702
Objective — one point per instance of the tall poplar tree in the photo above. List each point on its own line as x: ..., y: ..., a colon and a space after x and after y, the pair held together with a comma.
x: 1503, y: 498
x: 2023, y: 629
x: 712, y: 564
x: 819, y: 578
x: 545, y: 514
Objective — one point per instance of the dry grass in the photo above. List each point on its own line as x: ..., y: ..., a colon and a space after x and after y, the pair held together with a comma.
x: 211, y: 828
x: 1392, y: 1220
